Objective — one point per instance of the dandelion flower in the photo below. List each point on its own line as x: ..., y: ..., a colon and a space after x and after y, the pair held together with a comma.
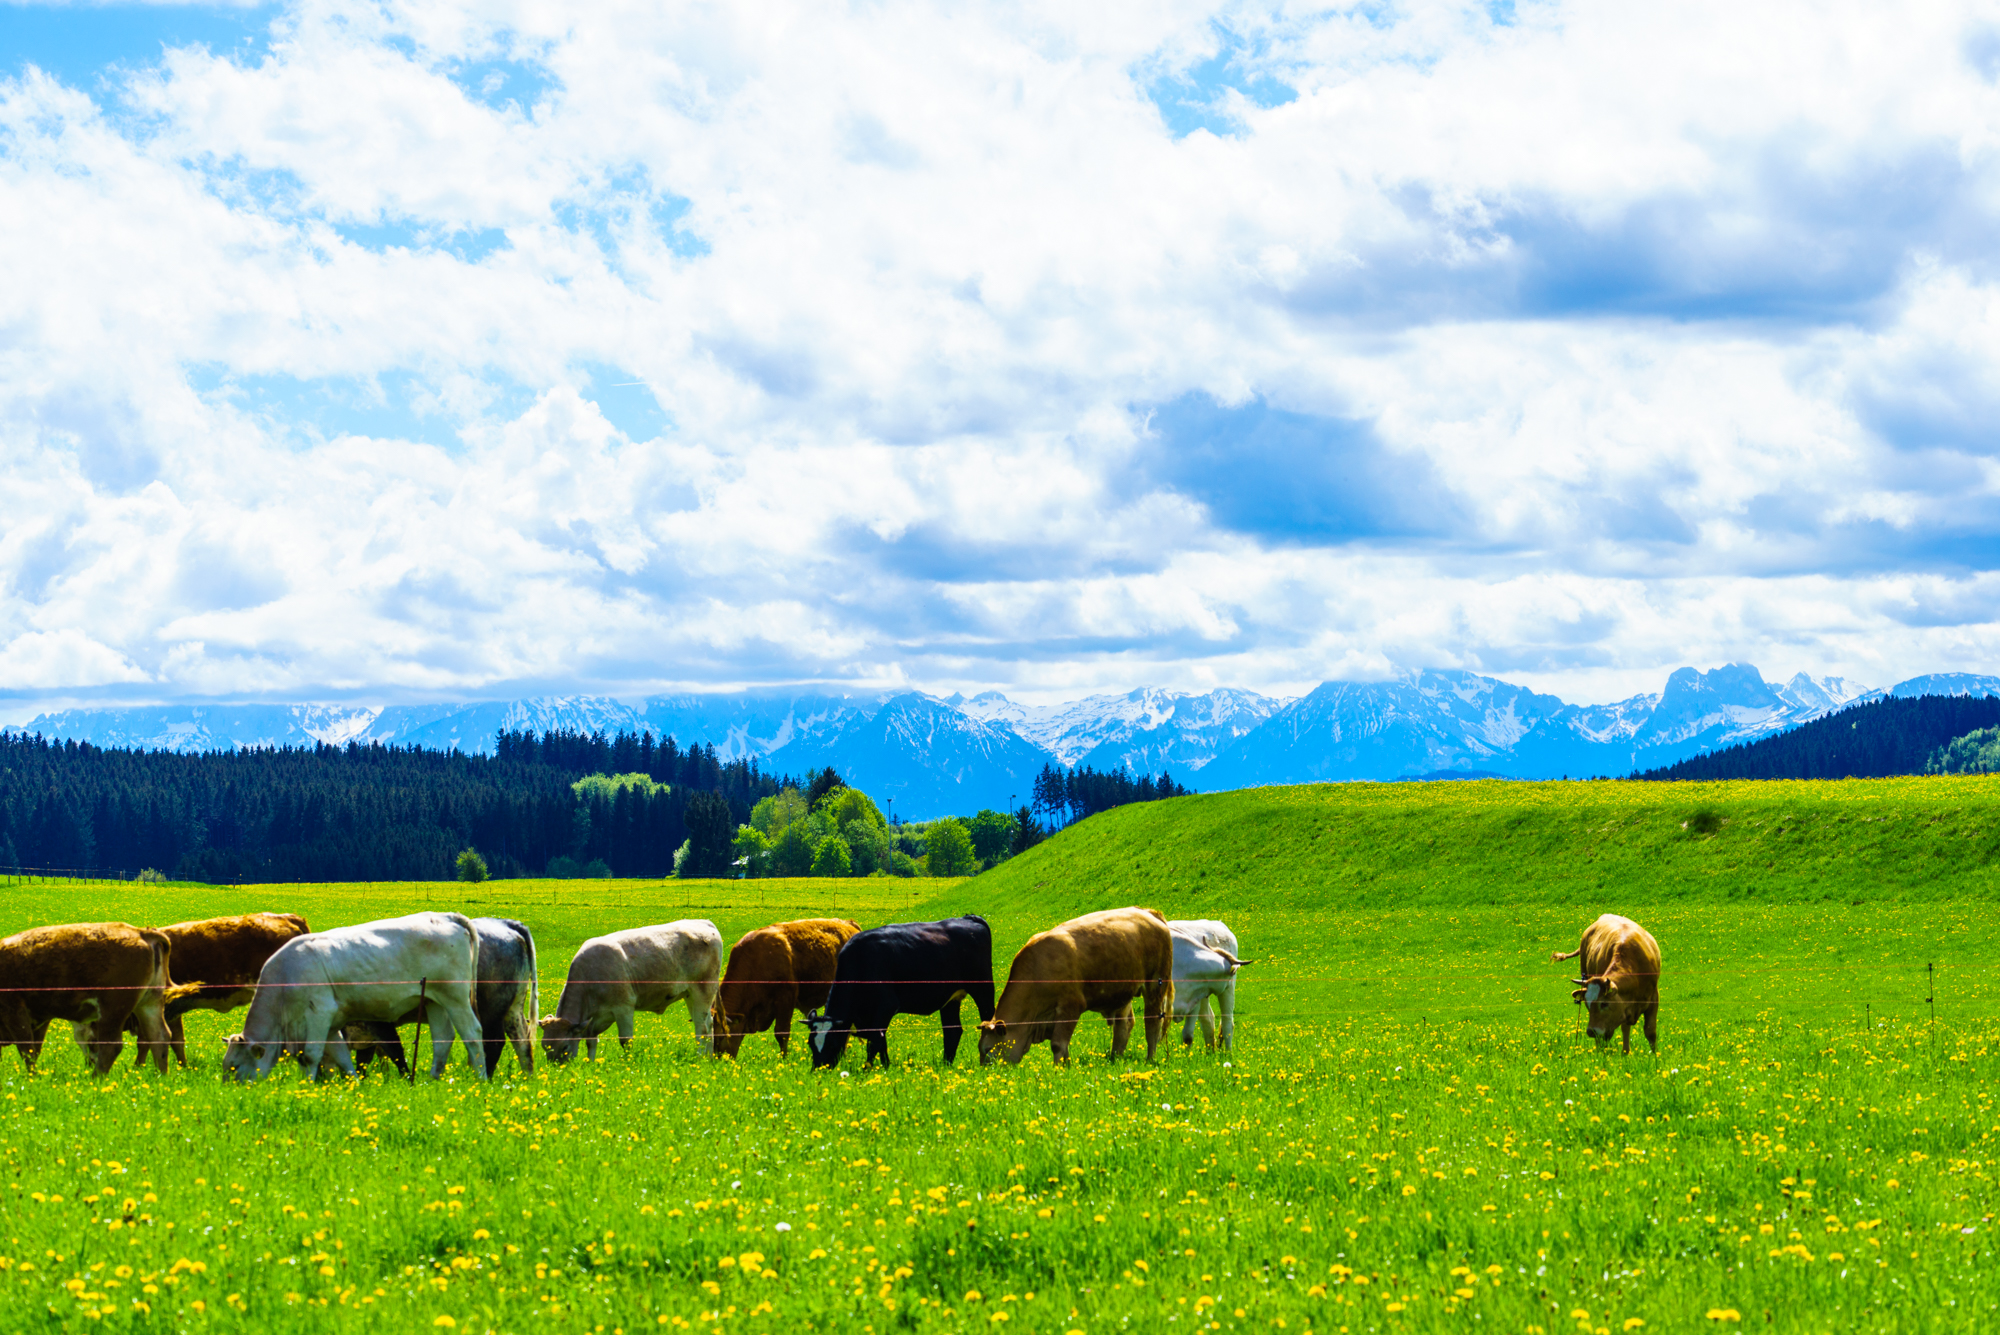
x: 1724, y: 1314
x: 445, y: 1321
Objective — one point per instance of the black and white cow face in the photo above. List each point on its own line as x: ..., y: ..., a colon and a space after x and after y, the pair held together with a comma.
x: 818, y: 1029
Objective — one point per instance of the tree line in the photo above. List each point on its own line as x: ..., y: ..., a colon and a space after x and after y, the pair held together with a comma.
x: 1875, y: 740
x: 373, y: 812
x: 1069, y: 795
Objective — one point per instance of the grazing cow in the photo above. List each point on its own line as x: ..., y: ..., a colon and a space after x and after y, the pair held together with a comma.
x: 908, y: 968
x: 320, y: 982
x: 643, y: 969
x: 774, y: 971
x: 505, y: 996
x: 1098, y: 962
x: 1205, y: 966
x: 215, y: 963
x: 96, y: 975
x: 1621, y: 979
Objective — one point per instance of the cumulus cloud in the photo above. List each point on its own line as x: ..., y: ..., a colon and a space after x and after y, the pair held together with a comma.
x: 437, y: 348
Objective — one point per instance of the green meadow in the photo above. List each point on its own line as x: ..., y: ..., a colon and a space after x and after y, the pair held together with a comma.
x: 1412, y: 1134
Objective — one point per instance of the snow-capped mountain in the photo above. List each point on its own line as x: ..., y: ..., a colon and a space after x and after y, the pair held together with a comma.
x: 937, y: 756
x: 1419, y: 723
x: 1146, y: 730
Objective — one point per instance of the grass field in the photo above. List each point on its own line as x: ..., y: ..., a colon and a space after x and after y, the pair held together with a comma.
x: 1413, y: 1133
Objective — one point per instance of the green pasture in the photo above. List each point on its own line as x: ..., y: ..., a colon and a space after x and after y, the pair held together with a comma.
x: 1412, y: 1134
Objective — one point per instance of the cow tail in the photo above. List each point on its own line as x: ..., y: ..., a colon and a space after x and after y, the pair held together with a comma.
x: 534, y: 990
x: 162, y: 953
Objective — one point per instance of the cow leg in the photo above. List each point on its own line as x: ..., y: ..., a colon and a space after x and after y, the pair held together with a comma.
x: 1205, y: 1008
x: 701, y: 1005
x: 493, y: 1039
x: 337, y: 1052
x: 1653, y: 1028
x: 1226, y: 1001
x: 101, y: 1043
x: 31, y: 1046
x: 627, y: 1022
x: 177, y: 1036
x: 954, y: 1030
x: 459, y: 1020
x: 1159, y: 1005
x: 783, y: 1029
x: 1059, y: 1036
x: 1121, y: 1031
x: 154, y: 1036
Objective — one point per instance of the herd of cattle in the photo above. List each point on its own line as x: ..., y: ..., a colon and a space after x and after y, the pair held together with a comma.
x: 338, y: 997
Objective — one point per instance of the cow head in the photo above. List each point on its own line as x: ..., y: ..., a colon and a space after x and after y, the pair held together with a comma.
x: 246, y: 1061
x: 559, y: 1039
x: 827, y: 1045
x: 724, y: 1035
x: 1606, y: 1003
x: 992, y: 1034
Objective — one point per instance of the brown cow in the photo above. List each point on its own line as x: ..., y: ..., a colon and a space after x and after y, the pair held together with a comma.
x: 1621, y: 979
x: 93, y: 974
x: 215, y: 965
x: 774, y: 971
x: 1098, y: 962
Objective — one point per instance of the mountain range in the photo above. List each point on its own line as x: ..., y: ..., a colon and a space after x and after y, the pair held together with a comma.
x: 932, y: 756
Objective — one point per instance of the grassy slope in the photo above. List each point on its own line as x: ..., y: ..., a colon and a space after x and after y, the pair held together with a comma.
x: 1372, y: 846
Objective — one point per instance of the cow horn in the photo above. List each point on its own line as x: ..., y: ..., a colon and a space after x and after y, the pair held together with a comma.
x: 1581, y: 982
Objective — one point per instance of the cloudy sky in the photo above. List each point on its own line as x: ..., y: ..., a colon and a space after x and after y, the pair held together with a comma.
x: 412, y: 350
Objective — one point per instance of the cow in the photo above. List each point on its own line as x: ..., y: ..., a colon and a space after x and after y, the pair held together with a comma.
x: 96, y: 975
x: 215, y: 962
x: 641, y: 969
x: 316, y: 984
x: 1098, y: 962
x: 506, y: 996
x: 774, y: 971
x: 907, y: 968
x: 1205, y: 966
x: 1621, y: 979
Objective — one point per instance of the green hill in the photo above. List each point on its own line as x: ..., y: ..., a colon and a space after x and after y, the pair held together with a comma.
x: 1378, y: 846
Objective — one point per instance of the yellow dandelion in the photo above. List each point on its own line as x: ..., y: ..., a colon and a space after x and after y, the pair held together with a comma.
x: 445, y: 1321
x: 1724, y: 1314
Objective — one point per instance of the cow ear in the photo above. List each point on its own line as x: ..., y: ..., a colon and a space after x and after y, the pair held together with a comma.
x: 1576, y: 997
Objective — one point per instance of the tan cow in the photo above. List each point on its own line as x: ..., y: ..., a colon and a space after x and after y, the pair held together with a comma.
x: 639, y: 969
x: 93, y: 974
x: 215, y: 965
x: 1621, y: 979
x: 1098, y: 962
x: 774, y: 971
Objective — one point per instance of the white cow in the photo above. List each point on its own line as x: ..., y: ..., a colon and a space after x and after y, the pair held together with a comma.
x: 1205, y: 966
x: 318, y: 982
x: 641, y: 969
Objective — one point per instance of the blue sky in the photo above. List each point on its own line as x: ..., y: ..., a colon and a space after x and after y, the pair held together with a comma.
x: 423, y: 350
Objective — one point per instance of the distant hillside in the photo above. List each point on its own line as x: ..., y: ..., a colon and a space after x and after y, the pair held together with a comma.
x: 1599, y: 846
x: 1880, y: 738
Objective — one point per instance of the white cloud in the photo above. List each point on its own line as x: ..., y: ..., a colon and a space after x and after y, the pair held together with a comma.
x: 1684, y: 316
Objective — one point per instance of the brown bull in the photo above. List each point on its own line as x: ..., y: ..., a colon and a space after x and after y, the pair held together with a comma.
x: 93, y: 974
x: 1098, y: 962
x: 773, y: 972
x: 215, y: 965
x: 1621, y: 979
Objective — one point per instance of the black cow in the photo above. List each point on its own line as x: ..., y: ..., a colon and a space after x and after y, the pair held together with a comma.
x: 907, y: 968
x: 505, y: 998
